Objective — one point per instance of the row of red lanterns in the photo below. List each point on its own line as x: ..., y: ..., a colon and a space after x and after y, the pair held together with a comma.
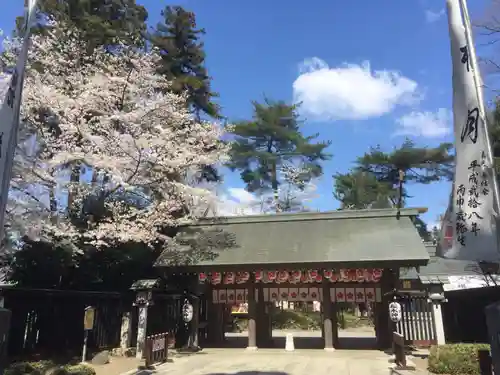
x: 310, y: 276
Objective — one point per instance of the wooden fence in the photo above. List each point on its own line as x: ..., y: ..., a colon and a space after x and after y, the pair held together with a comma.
x: 156, y: 349
x: 463, y: 315
x: 51, y: 321
x: 417, y: 322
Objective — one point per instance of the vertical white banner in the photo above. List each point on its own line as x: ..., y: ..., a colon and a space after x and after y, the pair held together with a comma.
x: 472, y: 207
x: 10, y: 105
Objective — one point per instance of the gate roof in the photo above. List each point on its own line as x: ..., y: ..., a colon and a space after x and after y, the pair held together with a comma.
x: 348, y: 238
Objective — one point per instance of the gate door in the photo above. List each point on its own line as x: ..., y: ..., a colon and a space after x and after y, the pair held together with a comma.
x: 417, y: 321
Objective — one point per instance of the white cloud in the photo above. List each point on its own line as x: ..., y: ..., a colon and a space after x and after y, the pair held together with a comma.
x: 350, y: 92
x: 425, y: 124
x: 432, y: 17
x: 236, y: 202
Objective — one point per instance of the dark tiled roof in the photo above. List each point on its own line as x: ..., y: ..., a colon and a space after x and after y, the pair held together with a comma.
x: 349, y: 236
x: 438, y: 269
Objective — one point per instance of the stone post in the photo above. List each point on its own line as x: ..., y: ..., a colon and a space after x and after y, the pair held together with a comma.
x: 141, y: 331
x: 252, y: 314
x: 125, y: 332
x: 436, y: 298
x: 327, y: 316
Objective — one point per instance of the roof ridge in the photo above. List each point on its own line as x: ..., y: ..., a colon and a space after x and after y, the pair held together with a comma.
x: 309, y: 216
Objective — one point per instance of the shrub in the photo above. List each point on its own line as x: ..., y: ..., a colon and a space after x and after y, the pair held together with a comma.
x: 43, y: 367
x: 80, y: 370
x: 290, y: 319
x: 32, y: 368
x: 455, y: 359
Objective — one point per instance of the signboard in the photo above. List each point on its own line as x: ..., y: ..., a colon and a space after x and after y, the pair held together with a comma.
x: 88, y: 319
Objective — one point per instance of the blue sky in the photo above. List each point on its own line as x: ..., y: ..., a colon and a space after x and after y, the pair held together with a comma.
x: 368, y: 72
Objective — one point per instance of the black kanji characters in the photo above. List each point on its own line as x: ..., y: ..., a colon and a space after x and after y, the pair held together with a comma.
x: 465, y: 57
x: 470, y: 128
x: 474, y: 228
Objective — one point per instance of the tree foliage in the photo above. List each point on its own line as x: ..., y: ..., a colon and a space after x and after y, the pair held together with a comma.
x: 408, y: 164
x: 100, y: 22
x: 271, y: 141
x: 115, y: 116
x: 358, y: 189
x: 420, y: 164
x: 183, y: 59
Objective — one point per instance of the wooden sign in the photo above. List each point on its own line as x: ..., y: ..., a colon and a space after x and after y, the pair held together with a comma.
x: 88, y: 319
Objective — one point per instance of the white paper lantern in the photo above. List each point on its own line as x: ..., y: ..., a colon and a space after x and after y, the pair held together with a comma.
x: 187, y: 311
x: 395, y: 311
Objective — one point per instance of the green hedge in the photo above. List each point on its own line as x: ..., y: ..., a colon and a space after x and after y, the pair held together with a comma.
x: 43, y: 367
x: 290, y: 319
x: 455, y: 359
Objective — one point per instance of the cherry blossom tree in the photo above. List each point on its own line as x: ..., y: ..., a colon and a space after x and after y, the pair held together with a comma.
x: 109, y: 114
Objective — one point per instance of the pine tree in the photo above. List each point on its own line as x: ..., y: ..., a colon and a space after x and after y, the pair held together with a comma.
x: 408, y: 163
x: 102, y: 22
x: 361, y: 190
x: 270, y: 141
x: 183, y: 59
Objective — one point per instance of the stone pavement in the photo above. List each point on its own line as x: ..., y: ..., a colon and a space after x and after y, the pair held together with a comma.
x: 278, y: 362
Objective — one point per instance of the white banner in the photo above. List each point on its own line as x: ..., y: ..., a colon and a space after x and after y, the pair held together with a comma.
x: 472, y: 212
x: 10, y: 104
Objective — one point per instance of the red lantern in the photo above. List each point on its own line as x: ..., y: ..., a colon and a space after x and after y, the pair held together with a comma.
x: 258, y: 275
x: 202, y: 277
x: 216, y: 278
x: 377, y: 275
x: 351, y: 275
x: 335, y: 277
x: 360, y: 275
x: 271, y: 275
x: 313, y: 274
x: 344, y: 275
x: 229, y: 278
x: 282, y: 276
x: 328, y: 274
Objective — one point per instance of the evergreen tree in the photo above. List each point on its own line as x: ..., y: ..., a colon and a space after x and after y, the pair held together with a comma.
x: 102, y: 22
x: 183, y: 59
x: 268, y: 143
x: 408, y: 163
x: 361, y: 190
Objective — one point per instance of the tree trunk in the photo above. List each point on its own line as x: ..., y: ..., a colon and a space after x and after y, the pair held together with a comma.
x: 274, y: 182
x: 73, y: 189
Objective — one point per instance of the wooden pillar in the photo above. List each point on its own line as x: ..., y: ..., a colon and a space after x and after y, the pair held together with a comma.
x: 328, y: 311
x: 215, y: 326
x: 261, y: 317
x: 211, y: 317
x: 195, y: 323
x: 384, y: 326
x: 252, y: 315
x: 335, y: 323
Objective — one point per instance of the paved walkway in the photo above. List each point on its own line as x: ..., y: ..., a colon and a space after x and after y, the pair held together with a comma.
x: 279, y: 362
